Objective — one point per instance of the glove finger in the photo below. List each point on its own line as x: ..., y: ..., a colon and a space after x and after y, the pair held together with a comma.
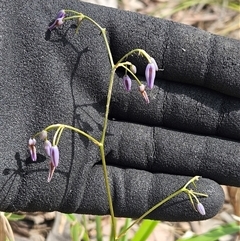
x: 182, y: 107
x: 162, y: 150
x: 136, y: 191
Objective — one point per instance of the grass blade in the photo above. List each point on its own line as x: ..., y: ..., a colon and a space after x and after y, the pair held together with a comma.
x: 215, y: 233
x: 145, y: 229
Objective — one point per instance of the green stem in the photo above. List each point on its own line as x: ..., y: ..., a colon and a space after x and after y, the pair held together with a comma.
x: 151, y: 210
x: 101, y: 144
x: 134, y: 76
x: 140, y: 51
x: 109, y: 95
x: 105, y: 173
x: 95, y: 141
x: 103, y: 31
x: 183, y: 189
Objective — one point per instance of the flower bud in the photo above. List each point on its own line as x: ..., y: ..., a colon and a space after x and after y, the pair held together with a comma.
x: 61, y: 14
x: 150, y: 74
x: 43, y: 135
x: 133, y: 68
x: 127, y: 82
x: 32, y: 148
x: 58, y: 21
x: 201, y: 209
x: 54, y: 154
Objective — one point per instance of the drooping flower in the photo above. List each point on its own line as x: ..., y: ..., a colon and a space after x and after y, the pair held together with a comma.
x: 58, y: 21
x: 32, y: 148
x: 144, y: 93
x: 54, y: 155
x: 127, y: 82
x: 150, y: 74
x: 201, y: 209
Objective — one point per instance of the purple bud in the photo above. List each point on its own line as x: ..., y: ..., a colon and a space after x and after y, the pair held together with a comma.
x: 201, y: 209
x: 61, y: 14
x: 127, y: 82
x: 58, y: 21
x: 150, y: 73
x: 144, y: 93
x: 54, y: 154
x: 47, y: 147
x: 32, y: 148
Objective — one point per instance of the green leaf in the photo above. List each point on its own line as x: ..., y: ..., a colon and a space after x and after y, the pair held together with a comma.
x: 126, y: 224
x: 145, y: 229
x: 71, y: 217
x: 98, y: 221
x: 13, y: 216
x: 77, y: 232
x: 215, y: 234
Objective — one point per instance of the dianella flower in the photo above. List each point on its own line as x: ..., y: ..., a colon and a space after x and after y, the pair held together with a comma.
x: 32, y: 148
x: 143, y: 92
x: 54, y: 155
x: 150, y: 73
x: 127, y: 82
x: 201, y: 209
x: 58, y: 21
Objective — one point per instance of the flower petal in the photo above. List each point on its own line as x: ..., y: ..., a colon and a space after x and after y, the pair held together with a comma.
x: 32, y: 148
x: 58, y: 21
x: 54, y: 154
x: 144, y: 93
x: 51, y: 171
x: 150, y: 74
x: 61, y: 14
x: 155, y: 63
x: 201, y: 209
x: 127, y: 82
x: 47, y: 147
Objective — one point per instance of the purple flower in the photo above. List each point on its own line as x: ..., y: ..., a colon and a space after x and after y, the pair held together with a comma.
x: 58, y: 21
x: 150, y: 74
x: 127, y: 82
x: 32, y: 148
x: 54, y: 154
x: 144, y: 93
x: 47, y: 147
x: 201, y: 209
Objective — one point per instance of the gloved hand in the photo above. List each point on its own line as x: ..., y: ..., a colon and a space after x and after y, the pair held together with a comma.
x: 190, y: 127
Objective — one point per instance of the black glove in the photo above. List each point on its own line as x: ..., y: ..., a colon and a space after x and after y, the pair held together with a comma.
x: 190, y: 127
